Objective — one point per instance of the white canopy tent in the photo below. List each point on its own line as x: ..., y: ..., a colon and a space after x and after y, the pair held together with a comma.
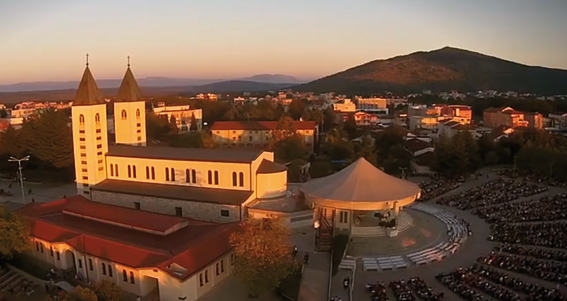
x: 360, y: 186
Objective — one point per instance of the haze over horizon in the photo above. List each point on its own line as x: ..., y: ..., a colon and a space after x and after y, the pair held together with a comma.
x: 48, y: 40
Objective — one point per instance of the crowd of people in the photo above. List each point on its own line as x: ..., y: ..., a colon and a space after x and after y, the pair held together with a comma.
x: 542, y: 269
x: 434, y: 188
x: 534, y: 252
x: 411, y: 290
x: 377, y: 291
x: 551, y: 235
x: 497, y: 191
x: 543, y: 209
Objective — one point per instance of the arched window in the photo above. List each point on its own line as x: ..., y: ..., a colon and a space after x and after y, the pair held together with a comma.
x: 216, y: 177
x: 131, y: 277
x: 193, y: 176
x: 103, y: 268
x: 41, y: 246
x: 97, y: 119
x: 90, y: 264
x: 124, y: 276
x: 210, y: 174
x: 153, y: 173
x: 111, y: 170
x: 147, y: 172
x: 172, y: 174
x: 167, y: 174
x: 109, y: 270
x: 200, y: 279
x: 241, y: 179
x: 124, y: 115
x: 187, y: 176
x: 206, y: 276
x: 134, y: 171
x: 138, y: 113
x: 116, y: 169
x: 233, y: 178
x: 81, y: 119
x: 129, y: 171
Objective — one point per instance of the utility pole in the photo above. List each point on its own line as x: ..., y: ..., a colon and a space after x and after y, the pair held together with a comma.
x: 20, y: 168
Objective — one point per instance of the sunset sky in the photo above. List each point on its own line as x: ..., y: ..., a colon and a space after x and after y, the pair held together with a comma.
x: 48, y: 40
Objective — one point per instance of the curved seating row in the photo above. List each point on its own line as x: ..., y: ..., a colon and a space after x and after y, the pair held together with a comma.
x: 385, y: 263
x: 456, y: 230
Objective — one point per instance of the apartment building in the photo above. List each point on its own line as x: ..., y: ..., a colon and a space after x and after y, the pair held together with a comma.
x: 182, y: 114
x: 493, y: 117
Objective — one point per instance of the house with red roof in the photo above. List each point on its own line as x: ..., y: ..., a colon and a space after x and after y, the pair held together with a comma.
x: 147, y: 254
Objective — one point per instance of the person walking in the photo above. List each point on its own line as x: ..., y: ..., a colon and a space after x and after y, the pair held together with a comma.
x: 306, y: 258
x: 295, y: 250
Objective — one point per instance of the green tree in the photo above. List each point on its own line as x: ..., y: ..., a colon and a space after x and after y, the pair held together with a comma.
x: 285, y: 142
x: 262, y: 254
x: 193, y: 126
x: 82, y: 294
x: 12, y: 143
x: 365, y: 149
x: 49, y: 138
x: 329, y: 119
x: 108, y: 291
x: 337, y: 146
x: 14, y: 234
x: 350, y: 126
x: 157, y: 128
x: 296, y: 108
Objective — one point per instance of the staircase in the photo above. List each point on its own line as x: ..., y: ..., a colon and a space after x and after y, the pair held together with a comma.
x: 15, y: 285
x: 325, y: 232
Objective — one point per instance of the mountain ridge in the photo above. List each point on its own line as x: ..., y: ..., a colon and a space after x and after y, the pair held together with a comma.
x: 444, y: 69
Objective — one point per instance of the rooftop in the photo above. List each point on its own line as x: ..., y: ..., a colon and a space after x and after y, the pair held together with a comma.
x: 129, y: 89
x: 258, y: 125
x: 179, y: 153
x: 414, y: 145
x: 176, y: 192
x: 88, y: 92
x: 268, y: 166
x: 191, y: 247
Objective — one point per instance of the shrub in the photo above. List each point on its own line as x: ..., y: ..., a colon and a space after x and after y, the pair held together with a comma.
x: 339, y: 246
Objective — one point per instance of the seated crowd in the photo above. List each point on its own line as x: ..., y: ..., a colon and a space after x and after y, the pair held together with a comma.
x: 411, y: 290
x: 551, y: 235
x: 544, y: 209
x: 542, y: 269
x: 497, y: 191
x: 434, y: 188
x: 534, y: 252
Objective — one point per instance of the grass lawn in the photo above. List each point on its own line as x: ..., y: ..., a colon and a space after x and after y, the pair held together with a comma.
x: 31, y: 266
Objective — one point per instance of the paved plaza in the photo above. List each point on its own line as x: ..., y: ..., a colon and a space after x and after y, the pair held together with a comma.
x: 40, y: 192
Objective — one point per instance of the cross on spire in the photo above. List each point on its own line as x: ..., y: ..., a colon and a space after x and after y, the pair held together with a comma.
x: 87, y: 59
x: 128, y: 61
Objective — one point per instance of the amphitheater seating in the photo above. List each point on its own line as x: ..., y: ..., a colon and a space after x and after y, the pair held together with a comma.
x: 347, y: 263
x: 385, y: 263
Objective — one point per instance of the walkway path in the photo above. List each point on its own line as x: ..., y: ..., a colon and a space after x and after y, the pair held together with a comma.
x: 315, y: 281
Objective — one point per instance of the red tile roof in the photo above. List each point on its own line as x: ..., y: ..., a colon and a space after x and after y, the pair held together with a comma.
x: 192, y: 247
x: 258, y: 125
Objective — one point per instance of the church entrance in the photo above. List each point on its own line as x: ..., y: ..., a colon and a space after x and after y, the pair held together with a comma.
x: 70, y: 261
x: 150, y: 288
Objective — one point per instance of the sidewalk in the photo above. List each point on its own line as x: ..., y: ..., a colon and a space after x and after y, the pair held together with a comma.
x: 315, y: 280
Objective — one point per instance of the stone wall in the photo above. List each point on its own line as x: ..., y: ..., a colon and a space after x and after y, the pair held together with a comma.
x: 197, y: 210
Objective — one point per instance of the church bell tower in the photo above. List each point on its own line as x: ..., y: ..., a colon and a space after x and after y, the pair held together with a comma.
x: 90, y: 138
x: 130, y: 112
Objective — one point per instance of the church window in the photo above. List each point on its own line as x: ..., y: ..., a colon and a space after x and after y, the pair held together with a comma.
x: 138, y: 131
x: 124, y: 276
x: 224, y: 213
x: 134, y: 171
x: 99, y: 161
x: 99, y: 138
x: 249, y: 138
x: 41, y: 246
x: 103, y: 268
x: 109, y: 271
x: 217, y: 268
x: 81, y: 119
x: 210, y: 174
x: 206, y: 276
x: 51, y: 251
x: 167, y: 174
x: 101, y: 168
x: 83, y: 147
x: 216, y: 177
x: 80, y: 264
x: 222, y: 266
x: 37, y: 246
x: 172, y: 174
x: 233, y: 178
x: 97, y: 119
x: 138, y: 113
x: 90, y: 264
x: 201, y: 279
x: 153, y: 173
x: 147, y: 172
x: 139, y: 138
x: 85, y: 178
x: 138, y: 124
x: 241, y: 179
x: 124, y: 115
x: 99, y: 153
x: 129, y: 171
x: 111, y: 171
x: 132, y: 277
x: 116, y: 169
x: 193, y: 176
x: 81, y: 131
x: 178, y: 211
x: 99, y: 146
x: 58, y: 255
x: 187, y: 176
x: 82, y: 139
x: 83, y: 155
x: 98, y: 131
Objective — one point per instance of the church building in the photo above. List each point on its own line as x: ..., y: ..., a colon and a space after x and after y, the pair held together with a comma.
x: 154, y: 220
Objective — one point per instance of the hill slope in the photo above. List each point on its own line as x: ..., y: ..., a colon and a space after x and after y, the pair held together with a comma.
x: 239, y: 86
x: 445, y: 69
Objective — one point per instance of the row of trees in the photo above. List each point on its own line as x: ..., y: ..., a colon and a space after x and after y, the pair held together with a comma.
x: 104, y: 291
x: 529, y: 149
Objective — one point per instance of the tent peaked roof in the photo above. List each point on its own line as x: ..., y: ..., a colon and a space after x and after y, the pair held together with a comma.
x: 361, y: 182
x: 88, y: 92
x: 129, y: 89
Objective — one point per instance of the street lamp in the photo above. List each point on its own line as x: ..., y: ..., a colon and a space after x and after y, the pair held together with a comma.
x: 20, y: 168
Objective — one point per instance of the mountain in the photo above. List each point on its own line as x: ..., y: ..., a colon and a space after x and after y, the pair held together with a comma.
x: 273, y: 78
x: 239, y: 86
x: 145, y: 82
x: 444, y: 69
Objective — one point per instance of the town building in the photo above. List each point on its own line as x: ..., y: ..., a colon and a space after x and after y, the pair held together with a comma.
x: 493, y: 117
x: 448, y: 128
x: 346, y: 106
x: 374, y: 105
x: 183, y: 115
x: 258, y: 133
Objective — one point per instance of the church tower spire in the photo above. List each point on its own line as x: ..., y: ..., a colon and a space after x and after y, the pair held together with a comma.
x: 90, y: 139
x: 130, y: 112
